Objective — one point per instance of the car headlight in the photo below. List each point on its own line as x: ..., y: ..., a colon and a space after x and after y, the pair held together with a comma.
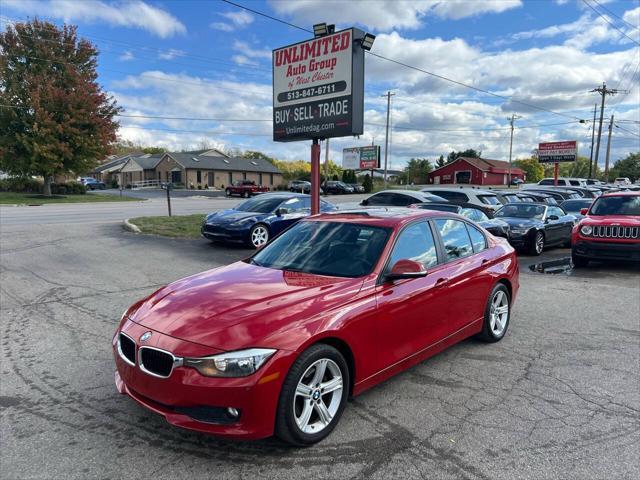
x: 243, y: 221
x: 519, y: 231
x: 586, y: 230
x: 232, y: 364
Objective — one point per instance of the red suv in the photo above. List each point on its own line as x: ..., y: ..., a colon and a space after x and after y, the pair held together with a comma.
x: 610, y: 230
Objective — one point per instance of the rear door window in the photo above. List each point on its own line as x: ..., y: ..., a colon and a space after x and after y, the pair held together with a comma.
x: 456, y: 240
x: 489, y: 199
x: 478, y: 240
x: 451, y: 196
x: 380, y: 199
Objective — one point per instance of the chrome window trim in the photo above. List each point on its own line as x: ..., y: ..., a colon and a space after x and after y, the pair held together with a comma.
x: 121, y: 354
x: 177, y: 361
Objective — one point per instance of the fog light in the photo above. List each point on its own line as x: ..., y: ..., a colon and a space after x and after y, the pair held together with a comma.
x: 233, y: 412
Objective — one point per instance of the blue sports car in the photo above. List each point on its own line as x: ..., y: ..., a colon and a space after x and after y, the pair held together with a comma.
x: 259, y: 219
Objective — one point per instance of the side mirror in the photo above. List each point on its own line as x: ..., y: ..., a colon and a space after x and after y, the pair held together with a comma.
x: 406, y: 269
x: 584, y: 211
x: 281, y: 211
x: 553, y: 217
x: 364, y: 202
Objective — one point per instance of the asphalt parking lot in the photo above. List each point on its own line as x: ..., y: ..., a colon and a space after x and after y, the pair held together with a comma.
x: 559, y: 397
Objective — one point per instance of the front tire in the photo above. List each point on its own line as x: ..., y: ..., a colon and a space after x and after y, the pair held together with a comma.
x: 259, y: 235
x: 313, y: 396
x: 537, y: 246
x: 497, y: 314
x: 246, y: 194
x: 227, y: 192
x: 579, y: 262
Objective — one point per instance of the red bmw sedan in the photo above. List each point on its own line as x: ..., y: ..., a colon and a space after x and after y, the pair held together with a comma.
x: 277, y: 343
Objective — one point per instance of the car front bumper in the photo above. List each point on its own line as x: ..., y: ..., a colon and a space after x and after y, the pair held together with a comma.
x: 224, y: 234
x: 607, y: 250
x: 193, y: 401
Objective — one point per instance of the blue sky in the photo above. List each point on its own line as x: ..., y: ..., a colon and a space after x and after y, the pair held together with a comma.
x: 209, y: 59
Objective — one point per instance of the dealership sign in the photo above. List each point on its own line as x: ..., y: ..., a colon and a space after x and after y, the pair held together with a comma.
x: 361, y: 158
x: 318, y: 88
x: 554, y: 152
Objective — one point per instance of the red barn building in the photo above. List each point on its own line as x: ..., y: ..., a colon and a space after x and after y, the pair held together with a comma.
x: 475, y: 171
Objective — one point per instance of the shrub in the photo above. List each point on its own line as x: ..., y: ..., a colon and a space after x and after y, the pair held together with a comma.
x: 68, y: 188
x: 114, y: 183
x: 21, y: 185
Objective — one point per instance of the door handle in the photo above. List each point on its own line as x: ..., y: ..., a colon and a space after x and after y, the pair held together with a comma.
x: 441, y: 282
x: 485, y: 261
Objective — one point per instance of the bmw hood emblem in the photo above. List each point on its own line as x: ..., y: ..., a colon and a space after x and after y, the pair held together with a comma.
x: 145, y: 336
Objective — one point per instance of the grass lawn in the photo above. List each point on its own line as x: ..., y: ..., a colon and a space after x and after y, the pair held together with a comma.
x: 35, y: 199
x: 180, y: 226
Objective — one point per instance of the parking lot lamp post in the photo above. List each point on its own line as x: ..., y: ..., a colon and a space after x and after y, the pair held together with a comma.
x: 315, y: 177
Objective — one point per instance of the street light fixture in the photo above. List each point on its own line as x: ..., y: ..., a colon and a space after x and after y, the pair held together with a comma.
x: 322, y: 29
x: 367, y: 41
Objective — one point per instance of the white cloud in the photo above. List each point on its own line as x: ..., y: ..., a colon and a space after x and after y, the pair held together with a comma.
x: 134, y: 14
x: 239, y: 19
x: 384, y: 15
x: 170, y: 54
x: 242, y: 60
x: 632, y: 16
x: 126, y: 56
x: 247, y: 50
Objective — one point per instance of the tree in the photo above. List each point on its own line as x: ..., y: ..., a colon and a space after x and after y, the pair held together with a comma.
x: 470, y: 152
x: 627, y: 167
x: 440, y: 162
x: 533, y: 169
x: 367, y: 183
x: 255, y: 155
x: 417, y: 171
x: 58, y: 120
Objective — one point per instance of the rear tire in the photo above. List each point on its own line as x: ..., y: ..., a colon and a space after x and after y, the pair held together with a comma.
x: 246, y: 194
x: 497, y: 314
x: 227, y: 192
x: 313, y: 396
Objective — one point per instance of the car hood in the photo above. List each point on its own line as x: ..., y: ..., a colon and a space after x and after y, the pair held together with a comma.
x: 516, y: 222
x: 626, y: 220
x: 241, y: 305
x: 493, y: 223
x: 230, y: 216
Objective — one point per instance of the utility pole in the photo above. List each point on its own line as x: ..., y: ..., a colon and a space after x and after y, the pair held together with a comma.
x: 606, y: 162
x: 326, y: 163
x: 386, y: 137
x: 593, y: 134
x: 604, y: 91
x: 511, y: 120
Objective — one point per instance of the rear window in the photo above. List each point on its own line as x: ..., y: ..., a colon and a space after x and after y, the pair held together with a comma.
x: 451, y: 196
x: 546, y: 182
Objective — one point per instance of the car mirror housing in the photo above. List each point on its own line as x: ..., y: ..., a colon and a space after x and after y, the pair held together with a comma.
x: 364, y: 202
x: 406, y: 268
x: 281, y: 211
x: 553, y: 217
x: 584, y: 211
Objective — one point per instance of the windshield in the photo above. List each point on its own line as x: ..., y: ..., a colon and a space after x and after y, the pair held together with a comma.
x: 620, y: 205
x: 521, y: 211
x: 325, y: 248
x: 489, y: 199
x: 260, y: 204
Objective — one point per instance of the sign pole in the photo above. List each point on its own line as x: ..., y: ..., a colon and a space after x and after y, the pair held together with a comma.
x: 555, y: 174
x: 315, y: 177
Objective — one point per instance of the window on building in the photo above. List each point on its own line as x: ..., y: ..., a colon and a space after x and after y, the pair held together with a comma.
x: 198, y: 176
x: 260, y: 178
x: 244, y: 175
x: 271, y: 179
x: 230, y: 178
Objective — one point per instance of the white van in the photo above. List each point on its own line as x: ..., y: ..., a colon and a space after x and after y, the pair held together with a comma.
x: 622, y: 181
x: 565, y: 182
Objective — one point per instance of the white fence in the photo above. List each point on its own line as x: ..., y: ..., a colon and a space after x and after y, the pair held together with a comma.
x: 146, y: 184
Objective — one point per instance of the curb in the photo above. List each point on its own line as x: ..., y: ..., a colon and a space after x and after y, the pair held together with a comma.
x: 130, y: 227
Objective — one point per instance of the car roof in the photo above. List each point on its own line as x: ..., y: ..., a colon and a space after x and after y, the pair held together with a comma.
x: 282, y: 194
x: 380, y: 216
x: 480, y: 191
x: 631, y: 193
x: 527, y: 204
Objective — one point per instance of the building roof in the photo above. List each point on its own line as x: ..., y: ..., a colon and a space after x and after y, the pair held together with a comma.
x: 485, y: 164
x: 236, y: 164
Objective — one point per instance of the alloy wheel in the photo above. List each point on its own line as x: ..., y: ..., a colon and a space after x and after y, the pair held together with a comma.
x: 318, y: 396
x: 259, y: 236
x: 499, y: 313
x: 539, y: 243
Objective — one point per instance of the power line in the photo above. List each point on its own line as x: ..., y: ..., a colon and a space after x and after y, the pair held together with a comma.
x: 617, y: 16
x: 426, y: 72
x: 610, y: 23
x: 626, y: 130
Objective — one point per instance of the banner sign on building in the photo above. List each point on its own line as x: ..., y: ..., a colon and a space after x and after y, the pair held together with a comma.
x: 318, y: 88
x: 555, y: 152
x: 361, y: 158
